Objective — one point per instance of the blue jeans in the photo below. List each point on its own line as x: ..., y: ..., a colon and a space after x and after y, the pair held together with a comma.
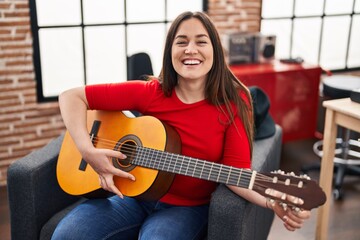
x: 128, y: 218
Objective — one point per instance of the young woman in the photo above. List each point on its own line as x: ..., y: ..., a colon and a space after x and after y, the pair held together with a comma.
x: 210, y: 109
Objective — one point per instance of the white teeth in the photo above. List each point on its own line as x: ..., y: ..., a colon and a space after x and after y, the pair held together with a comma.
x: 191, y: 62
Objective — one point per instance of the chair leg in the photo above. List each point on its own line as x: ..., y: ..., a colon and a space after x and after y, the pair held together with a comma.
x: 339, y: 179
x: 341, y: 169
x: 343, y: 152
x: 353, y: 170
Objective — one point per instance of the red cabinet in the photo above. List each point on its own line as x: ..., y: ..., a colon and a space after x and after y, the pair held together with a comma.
x: 293, y: 90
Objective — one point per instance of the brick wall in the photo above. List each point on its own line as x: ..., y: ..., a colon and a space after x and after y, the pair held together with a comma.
x: 235, y: 15
x: 26, y: 125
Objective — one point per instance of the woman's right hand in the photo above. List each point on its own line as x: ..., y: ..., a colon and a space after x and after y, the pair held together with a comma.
x: 74, y: 105
x: 100, y: 161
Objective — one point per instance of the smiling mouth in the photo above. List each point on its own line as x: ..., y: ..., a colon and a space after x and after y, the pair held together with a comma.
x: 191, y: 62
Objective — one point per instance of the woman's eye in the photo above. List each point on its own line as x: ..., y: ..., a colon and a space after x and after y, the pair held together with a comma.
x: 181, y: 43
x: 202, y: 42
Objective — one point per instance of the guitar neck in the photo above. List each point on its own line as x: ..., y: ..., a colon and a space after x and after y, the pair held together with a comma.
x: 193, y: 167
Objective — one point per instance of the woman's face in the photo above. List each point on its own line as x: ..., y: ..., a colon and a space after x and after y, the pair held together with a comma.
x: 192, y: 51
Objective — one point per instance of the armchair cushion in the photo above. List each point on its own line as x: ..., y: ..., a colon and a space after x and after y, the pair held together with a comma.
x: 33, y: 192
x: 232, y: 217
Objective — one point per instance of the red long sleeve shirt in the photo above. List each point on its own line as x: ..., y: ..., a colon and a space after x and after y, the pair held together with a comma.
x: 203, y: 129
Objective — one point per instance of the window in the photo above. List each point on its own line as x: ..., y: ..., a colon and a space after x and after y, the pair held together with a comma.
x: 79, y: 42
x: 323, y: 32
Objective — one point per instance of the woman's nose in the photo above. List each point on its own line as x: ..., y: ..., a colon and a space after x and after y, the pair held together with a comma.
x: 191, y: 48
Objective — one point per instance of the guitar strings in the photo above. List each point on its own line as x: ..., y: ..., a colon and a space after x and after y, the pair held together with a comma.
x: 209, y: 169
x: 132, y: 148
x: 129, y: 149
x: 241, y: 179
x: 125, y: 148
x: 226, y: 170
x: 231, y: 181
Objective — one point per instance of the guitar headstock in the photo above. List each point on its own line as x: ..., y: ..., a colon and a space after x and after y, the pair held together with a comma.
x: 308, y: 193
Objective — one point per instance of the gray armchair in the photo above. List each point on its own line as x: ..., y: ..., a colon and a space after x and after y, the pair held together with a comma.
x: 37, y: 203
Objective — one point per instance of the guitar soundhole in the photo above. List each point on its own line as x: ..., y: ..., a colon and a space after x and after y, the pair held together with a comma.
x: 127, y: 145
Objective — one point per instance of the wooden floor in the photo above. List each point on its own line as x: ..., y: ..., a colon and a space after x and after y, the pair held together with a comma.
x: 4, y: 215
x: 345, y: 214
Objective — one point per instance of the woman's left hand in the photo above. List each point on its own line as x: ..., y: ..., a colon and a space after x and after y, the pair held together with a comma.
x: 293, y: 219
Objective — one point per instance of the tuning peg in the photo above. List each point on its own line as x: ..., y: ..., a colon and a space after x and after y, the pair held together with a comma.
x: 275, y: 179
x: 287, y: 182
x: 291, y: 174
x: 272, y: 201
x: 295, y: 209
x: 306, y: 177
x: 283, y: 205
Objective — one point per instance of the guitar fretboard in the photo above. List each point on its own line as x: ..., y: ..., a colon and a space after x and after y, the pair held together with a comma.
x: 193, y: 167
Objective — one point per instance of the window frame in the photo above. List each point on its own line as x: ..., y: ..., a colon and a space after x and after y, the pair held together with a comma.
x: 35, y: 28
x: 293, y: 17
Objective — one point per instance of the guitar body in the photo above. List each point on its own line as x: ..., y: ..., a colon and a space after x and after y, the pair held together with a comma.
x: 113, y: 130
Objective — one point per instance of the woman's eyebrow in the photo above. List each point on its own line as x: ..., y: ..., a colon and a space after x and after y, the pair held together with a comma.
x: 197, y: 36
x: 180, y: 36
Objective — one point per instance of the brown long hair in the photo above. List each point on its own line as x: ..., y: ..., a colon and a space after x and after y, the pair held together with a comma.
x: 221, y: 87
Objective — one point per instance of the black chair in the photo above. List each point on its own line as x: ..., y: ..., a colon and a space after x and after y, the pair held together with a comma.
x: 139, y: 66
x: 347, y: 153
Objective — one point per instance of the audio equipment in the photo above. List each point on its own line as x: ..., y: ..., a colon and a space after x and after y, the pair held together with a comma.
x: 244, y: 47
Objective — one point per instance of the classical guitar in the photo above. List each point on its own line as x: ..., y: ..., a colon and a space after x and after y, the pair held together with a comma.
x: 152, y: 150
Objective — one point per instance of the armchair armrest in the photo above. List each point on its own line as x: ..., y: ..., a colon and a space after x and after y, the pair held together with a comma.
x: 33, y: 191
x: 232, y: 217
